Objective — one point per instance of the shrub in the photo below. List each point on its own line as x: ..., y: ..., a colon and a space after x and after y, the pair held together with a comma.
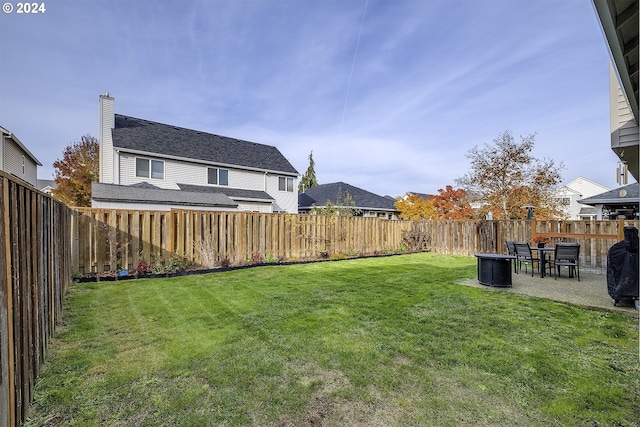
x: 143, y: 267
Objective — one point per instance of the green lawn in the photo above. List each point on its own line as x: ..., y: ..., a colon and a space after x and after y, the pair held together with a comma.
x: 388, y: 341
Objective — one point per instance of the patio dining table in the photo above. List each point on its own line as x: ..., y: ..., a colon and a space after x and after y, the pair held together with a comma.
x: 542, y: 256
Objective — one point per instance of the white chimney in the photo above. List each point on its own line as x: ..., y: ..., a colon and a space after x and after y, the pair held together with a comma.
x: 107, y: 123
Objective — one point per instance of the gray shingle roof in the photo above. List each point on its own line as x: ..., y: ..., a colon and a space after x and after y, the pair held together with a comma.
x: 234, y: 193
x: 613, y: 196
x: 135, y: 134
x: 137, y: 194
x: 363, y: 199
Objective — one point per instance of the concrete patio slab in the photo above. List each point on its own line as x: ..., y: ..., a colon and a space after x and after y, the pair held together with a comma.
x: 590, y: 291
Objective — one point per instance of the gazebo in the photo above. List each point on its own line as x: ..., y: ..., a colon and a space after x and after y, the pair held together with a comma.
x: 615, y: 204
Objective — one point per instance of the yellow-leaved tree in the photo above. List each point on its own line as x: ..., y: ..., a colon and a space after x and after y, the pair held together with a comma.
x: 415, y: 207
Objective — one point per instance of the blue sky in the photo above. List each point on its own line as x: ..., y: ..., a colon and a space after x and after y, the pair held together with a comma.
x: 389, y: 95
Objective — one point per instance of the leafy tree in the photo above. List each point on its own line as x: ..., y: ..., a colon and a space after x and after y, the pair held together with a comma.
x: 78, y: 168
x: 452, y: 204
x: 505, y: 176
x: 309, y: 179
x: 344, y: 206
x: 415, y: 207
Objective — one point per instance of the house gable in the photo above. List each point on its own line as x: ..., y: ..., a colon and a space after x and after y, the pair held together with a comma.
x: 16, y: 159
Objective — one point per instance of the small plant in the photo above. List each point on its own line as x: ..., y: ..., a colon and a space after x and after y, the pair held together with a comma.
x: 206, y: 249
x: 542, y: 239
x: 270, y: 258
x: 256, y: 258
x: 225, y: 263
x: 353, y: 253
x: 143, y: 267
x: 75, y: 275
x: 337, y: 256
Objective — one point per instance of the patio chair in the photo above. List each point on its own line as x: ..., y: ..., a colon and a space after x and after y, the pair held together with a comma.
x: 567, y: 255
x: 523, y: 252
x: 511, y: 250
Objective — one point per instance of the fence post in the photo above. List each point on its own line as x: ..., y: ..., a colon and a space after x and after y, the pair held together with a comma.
x: 533, y: 229
x: 8, y: 391
x: 620, y: 230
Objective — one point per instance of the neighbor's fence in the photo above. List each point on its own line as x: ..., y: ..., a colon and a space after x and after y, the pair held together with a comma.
x: 106, y: 240
x: 36, y: 264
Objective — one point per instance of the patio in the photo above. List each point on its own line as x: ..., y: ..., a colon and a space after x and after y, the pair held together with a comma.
x: 590, y: 291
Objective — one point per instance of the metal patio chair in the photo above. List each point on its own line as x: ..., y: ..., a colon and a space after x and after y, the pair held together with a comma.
x: 566, y: 255
x: 523, y: 252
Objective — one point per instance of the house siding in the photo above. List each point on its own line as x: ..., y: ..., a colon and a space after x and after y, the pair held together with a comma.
x: 152, y: 206
x: 624, y: 129
x: 255, y: 207
x: 196, y: 174
x: 107, y: 123
x: 13, y: 156
x: 288, y: 201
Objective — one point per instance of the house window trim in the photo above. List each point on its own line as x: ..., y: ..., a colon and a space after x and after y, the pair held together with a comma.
x: 150, y: 162
x: 217, y: 183
x: 288, y: 183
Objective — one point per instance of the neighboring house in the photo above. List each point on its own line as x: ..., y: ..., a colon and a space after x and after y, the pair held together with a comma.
x: 369, y: 204
x: 579, y: 188
x: 203, y: 170
x: 614, y: 204
x: 619, y: 21
x: 46, y: 185
x: 16, y: 159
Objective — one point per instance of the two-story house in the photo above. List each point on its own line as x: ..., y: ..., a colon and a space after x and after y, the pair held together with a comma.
x: 570, y: 194
x: 16, y: 159
x: 150, y: 165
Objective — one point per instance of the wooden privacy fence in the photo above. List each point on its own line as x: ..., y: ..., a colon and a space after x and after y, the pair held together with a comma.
x: 106, y: 240
x: 36, y: 265
x: 469, y: 237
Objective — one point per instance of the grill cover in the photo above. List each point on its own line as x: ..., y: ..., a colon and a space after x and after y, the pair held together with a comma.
x: 622, y: 267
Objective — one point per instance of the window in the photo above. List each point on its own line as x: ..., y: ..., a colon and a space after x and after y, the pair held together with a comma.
x: 285, y: 184
x: 566, y: 201
x: 146, y: 168
x: 217, y: 176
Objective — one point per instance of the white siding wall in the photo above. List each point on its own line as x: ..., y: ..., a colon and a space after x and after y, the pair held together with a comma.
x: 151, y: 206
x: 176, y: 172
x: 288, y: 201
x: 624, y: 129
x: 196, y: 174
x: 107, y: 122
x: 13, y: 157
x: 255, y: 207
